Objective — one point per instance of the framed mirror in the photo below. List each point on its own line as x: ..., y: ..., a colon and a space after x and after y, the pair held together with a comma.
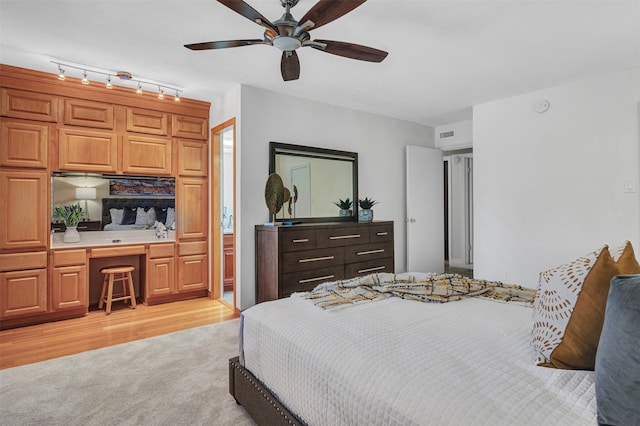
x: 320, y: 177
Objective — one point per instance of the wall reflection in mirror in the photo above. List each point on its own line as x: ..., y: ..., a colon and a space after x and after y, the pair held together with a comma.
x: 114, y: 202
x: 321, y: 178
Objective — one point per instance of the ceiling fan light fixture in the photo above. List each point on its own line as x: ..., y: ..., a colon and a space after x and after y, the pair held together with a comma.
x: 286, y: 44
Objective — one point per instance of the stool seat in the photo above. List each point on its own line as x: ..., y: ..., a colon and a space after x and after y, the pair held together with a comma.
x: 121, y: 274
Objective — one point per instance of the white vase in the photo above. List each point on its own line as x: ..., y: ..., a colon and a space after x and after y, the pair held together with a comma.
x: 71, y: 235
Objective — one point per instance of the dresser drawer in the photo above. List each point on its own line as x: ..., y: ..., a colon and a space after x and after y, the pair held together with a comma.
x: 369, y: 267
x: 364, y: 252
x: 308, y: 280
x: 380, y: 233
x: 311, y: 259
x: 342, y: 236
x: 293, y: 240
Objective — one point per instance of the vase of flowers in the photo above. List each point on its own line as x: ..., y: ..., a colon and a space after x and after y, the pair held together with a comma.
x: 70, y: 215
x: 365, y: 214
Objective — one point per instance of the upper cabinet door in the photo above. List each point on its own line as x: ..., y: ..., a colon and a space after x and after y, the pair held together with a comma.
x: 146, y: 155
x: 28, y: 105
x: 192, y: 208
x: 24, y: 219
x: 192, y: 158
x: 147, y: 121
x: 23, y: 144
x: 88, y: 114
x: 84, y: 150
x: 183, y: 126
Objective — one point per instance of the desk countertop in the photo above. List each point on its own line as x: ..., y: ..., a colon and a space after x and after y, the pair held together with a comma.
x: 111, y: 238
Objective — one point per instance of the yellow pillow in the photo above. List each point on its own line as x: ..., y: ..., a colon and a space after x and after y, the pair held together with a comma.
x: 626, y: 259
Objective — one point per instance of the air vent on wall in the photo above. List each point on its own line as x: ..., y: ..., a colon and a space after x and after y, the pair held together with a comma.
x: 446, y: 134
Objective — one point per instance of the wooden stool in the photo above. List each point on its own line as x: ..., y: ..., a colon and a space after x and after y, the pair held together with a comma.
x: 123, y: 275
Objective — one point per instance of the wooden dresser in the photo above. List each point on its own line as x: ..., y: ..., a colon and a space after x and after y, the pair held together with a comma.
x: 297, y: 258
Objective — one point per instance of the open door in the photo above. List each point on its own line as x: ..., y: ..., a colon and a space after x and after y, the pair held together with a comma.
x: 425, y: 209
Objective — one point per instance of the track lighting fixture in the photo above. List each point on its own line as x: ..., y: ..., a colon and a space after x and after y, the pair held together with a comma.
x: 60, y: 73
x: 123, y: 76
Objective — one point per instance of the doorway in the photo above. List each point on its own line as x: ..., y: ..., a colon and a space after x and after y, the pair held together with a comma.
x: 458, y: 208
x: 223, y: 210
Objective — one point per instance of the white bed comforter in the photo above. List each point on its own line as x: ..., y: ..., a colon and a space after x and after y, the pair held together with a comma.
x: 401, y: 362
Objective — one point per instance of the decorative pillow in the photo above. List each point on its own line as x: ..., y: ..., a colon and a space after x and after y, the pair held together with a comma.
x: 161, y: 214
x: 617, y: 372
x: 171, y: 216
x: 569, y: 311
x: 116, y: 216
x: 145, y: 218
x: 129, y: 216
x: 624, y: 256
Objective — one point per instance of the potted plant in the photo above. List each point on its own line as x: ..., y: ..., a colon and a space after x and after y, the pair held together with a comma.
x: 70, y: 215
x: 345, y: 206
x: 365, y: 214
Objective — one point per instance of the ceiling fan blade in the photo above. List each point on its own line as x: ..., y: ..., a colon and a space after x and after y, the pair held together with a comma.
x: 248, y: 12
x: 326, y: 11
x: 350, y: 50
x: 290, y: 66
x: 224, y: 44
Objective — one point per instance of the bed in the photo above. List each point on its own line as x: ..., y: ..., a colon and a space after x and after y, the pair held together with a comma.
x: 120, y: 214
x: 403, y: 362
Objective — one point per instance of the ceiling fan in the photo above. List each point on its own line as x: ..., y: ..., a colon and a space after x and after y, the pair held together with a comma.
x: 287, y: 34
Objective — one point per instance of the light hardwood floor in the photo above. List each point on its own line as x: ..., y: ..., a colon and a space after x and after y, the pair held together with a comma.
x: 25, y: 345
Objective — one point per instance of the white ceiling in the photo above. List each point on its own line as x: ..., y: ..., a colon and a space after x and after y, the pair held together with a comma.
x: 444, y: 56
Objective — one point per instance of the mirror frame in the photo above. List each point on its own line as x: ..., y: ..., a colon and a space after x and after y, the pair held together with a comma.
x: 326, y: 154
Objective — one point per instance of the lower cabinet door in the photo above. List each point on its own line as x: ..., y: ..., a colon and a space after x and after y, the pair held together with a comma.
x: 160, y: 279
x: 23, y: 293
x: 70, y: 287
x: 192, y: 272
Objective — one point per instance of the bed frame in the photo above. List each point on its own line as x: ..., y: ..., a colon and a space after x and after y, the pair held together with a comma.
x: 263, y: 407
x: 119, y: 203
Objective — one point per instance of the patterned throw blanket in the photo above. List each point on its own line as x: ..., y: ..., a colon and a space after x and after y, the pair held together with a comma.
x: 432, y: 288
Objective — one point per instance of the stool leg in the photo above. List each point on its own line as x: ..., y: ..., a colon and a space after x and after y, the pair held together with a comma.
x: 132, y: 291
x: 125, y: 290
x: 103, y: 291
x: 110, y: 293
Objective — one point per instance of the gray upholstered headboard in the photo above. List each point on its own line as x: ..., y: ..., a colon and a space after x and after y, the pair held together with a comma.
x: 120, y: 203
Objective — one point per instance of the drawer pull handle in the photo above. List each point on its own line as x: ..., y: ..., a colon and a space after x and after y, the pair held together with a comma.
x: 300, y: 240
x: 377, y: 268
x: 361, y: 253
x: 310, y: 280
x: 315, y: 259
x: 342, y: 237
x: 381, y: 234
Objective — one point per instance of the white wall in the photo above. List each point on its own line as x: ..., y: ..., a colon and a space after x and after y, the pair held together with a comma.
x: 462, y: 136
x: 549, y: 186
x: 379, y: 141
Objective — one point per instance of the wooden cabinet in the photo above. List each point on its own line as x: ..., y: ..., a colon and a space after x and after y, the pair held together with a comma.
x: 228, y: 262
x: 192, y: 158
x: 23, y: 144
x: 23, y: 284
x: 69, y: 280
x: 24, y: 218
x: 192, y: 266
x: 147, y: 121
x: 184, y: 126
x: 160, y: 271
x: 87, y: 150
x: 28, y: 105
x: 146, y: 155
x: 297, y: 258
x: 85, y: 113
x: 192, y: 208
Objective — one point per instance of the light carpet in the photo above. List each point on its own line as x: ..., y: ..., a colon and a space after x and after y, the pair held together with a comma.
x: 175, y: 379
